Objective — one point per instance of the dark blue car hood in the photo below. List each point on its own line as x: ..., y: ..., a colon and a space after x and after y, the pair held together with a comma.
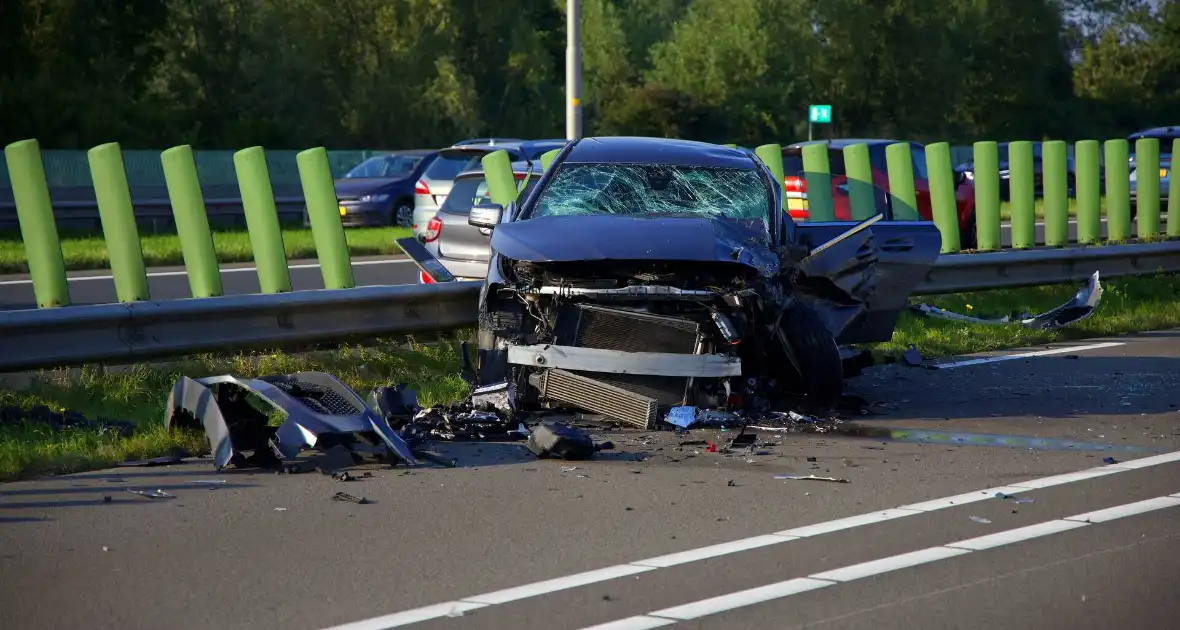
x: 613, y: 237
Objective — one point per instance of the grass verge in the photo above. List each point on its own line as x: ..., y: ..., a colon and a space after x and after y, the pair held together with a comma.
x: 89, y: 251
x: 139, y: 394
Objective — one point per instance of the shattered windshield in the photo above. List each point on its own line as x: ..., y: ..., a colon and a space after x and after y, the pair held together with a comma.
x: 657, y: 190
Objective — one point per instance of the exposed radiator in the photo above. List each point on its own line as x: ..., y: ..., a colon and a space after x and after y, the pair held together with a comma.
x: 596, y: 396
x: 588, y: 326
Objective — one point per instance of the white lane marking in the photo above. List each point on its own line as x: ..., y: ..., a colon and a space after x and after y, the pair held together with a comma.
x: 892, y: 563
x: 634, y: 623
x: 961, y: 499
x: 1123, y: 511
x: 1081, y: 475
x: 168, y: 274
x: 1016, y: 535
x: 416, y: 615
x: 1026, y: 355
x: 1147, y: 462
x: 788, y: 588
x: 558, y: 584
x: 704, y: 553
x: 601, y: 575
x: 845, y: 523
x: 747, y: 597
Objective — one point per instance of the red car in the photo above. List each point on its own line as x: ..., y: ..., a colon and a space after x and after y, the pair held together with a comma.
x: 796, y: 187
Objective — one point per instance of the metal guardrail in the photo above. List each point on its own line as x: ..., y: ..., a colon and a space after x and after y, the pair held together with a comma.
x: 142, y: 331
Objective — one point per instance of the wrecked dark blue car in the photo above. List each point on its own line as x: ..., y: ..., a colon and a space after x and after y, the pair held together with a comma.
x: 642, y: 273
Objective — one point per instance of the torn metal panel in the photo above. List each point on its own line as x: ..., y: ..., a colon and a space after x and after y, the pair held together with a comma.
x: 425, y: 261
x: 620, y: 362
x: 1078, y: 308
x: 320, y: 412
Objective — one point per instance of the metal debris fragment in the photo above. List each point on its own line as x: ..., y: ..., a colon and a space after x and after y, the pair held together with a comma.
x: 152, y: 494
x: 350, y: 498
x: 1081, y: 306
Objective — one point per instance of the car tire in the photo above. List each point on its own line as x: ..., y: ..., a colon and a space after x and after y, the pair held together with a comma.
x: 402, y: 214
x: 815, y: 358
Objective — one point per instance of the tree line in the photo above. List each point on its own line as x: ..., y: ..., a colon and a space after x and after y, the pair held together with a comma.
x: 289, y: 74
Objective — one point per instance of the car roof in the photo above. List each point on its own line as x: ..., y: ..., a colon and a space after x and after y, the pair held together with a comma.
x: 1171, y: 130
x: 840, y: 143
x: 636, y: 150
x: 414, y: 152
x: 515, y: 146
x: 471, y: 141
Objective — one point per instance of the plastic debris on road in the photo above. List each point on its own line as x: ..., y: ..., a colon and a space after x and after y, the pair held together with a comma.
x: 811, y: 478
x: 152, y: 494
x: 350, y: 498
x: 980, y: 519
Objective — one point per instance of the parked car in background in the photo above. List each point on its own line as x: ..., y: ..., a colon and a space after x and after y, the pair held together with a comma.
x: 461, y: 247
x: 1165, y: 135
x: 534, y: 149
x: 433, y: 186
x: 796, y: 185
x: 380, y: 190
x: 471, y: 141
x: 968, y: 171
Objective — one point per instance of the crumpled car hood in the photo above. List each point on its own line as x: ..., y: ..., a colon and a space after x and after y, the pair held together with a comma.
x: 612, y: 237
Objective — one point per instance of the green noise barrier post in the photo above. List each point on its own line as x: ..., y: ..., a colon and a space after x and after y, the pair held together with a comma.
x: 942, y: 195
x: 262, y: 220
x: 818, y: 179
x: 862, y: 195
x: 34, y: 213
x: 1173, y: 200
x: 118, y: 222
x: 192, y: 222
x: 1147, y: 187
x: 1118, y: 191
x: 1022, y: 194
x: 327, y: 230
x: 772, y: 156
x: 987, y: 195
x: 1056, y: 196
x: 497, y: 170
x: 904, y: 199
x: 1088, y: 182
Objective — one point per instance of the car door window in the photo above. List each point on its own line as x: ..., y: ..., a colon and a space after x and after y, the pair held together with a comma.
x: 919, y: 156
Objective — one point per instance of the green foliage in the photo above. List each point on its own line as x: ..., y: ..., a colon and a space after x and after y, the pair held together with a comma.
x: 421, y: 73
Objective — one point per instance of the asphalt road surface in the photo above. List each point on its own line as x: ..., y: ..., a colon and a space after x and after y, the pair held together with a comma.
x: 171, y: 283
x: 660, y: 532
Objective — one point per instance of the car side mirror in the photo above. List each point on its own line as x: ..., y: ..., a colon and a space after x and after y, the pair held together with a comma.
x: 485, y: 216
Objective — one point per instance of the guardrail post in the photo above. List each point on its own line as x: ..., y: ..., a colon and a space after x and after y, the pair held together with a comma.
x: 547, y: 158
x: 118, y: 222
x: 903, y: 198
x: 34, y: 213
x: 192, y: 222
x: 987, y: 195
x: 861, y: 193
x: 1056, y: 186
x: 1118, y: 191
x: 817, y: 178
x: 1147, y: 187
x: 319, y: 193
x: 1022, y: 195
x: 1173, y: 199
x: 262, y: 220
x: 772, y: 156
x: 497, y: 170
x: 1087, y: 181
x: 942, y: 194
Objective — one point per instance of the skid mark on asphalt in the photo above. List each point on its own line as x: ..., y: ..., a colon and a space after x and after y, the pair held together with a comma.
x: 1027, y: 355
x: 780, y: 590
x: 418, y: 615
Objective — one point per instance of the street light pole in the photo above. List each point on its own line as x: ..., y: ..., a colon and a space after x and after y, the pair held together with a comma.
x: 573, y: 71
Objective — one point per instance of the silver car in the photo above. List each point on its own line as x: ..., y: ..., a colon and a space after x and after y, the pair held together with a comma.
x: 461, y: 247
x: 434, y: 185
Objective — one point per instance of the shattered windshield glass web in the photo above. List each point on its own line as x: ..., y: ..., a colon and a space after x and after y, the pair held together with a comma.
x: 657, y: 190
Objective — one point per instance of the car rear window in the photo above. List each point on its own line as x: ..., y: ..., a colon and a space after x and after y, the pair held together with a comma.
x: 451, y: 163
x: 473, y: 191
x: 793, y: 162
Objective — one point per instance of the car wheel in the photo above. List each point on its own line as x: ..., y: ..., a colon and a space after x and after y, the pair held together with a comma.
x: 403, y: 213
x: 812, y: 351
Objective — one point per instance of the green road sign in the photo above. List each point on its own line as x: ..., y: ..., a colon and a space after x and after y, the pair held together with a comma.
x: 819, y: 114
